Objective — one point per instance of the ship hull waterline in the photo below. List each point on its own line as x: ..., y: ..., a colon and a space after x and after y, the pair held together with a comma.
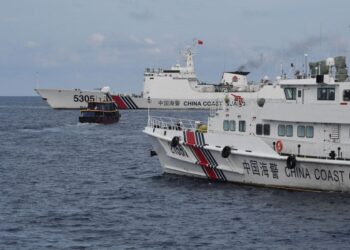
x: 249, y: 168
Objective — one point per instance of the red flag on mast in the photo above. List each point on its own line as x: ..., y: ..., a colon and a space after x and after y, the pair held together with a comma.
x: 199, y: 42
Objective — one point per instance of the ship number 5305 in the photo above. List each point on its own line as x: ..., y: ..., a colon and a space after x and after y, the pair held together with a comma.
x: 84, y: 98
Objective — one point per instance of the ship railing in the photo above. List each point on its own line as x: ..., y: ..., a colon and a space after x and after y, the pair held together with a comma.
x: 174, y: 123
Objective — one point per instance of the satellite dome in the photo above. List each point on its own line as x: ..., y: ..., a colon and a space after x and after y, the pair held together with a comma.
x: 105, y: 89
x: 330, y: 61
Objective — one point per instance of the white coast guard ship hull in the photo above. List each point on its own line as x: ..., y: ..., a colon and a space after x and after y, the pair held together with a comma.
x: 75, y: 99
x: 200, y: 155
x: 177, y: 88
x: 69, y: 99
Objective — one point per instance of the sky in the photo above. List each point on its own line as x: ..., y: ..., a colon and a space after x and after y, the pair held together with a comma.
x: 88, y: 44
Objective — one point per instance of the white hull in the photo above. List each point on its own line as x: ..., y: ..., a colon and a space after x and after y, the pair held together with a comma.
x: 75, y: 99
x: 69, y: 99
x: 131, y: 102
x: 256, y: 166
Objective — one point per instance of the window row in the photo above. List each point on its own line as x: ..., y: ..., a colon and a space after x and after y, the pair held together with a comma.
x: 302, y: 131
x: 231, y: 125
x: 326, y: 94
x: 307, y: 131
x: 285, y: 130
x: 264, y: 129
x: 323, y: 94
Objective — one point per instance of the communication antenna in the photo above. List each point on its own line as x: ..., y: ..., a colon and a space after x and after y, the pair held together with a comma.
x: 224, y: 62
x: 305, y: 56
x: 37, y: 79
x: 330, y: 63
x: 148, y: 107
x: 282, y: 70
x: 321, y: 36
x: 291, y: 69
x: 319, y: 68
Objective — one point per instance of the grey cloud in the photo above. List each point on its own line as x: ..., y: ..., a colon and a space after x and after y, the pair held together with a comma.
x: 306, y: 45
x: 142, y: 15
x: 256, y: 13
x: 293, y: 49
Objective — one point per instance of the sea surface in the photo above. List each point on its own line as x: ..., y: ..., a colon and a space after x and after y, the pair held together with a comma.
x: 65, y: 185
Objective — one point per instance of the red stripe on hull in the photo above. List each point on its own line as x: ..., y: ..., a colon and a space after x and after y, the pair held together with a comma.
x: 190, y: 138
x: 204, y: 163
x: 202, y: 160
x: 119, y: 101
x: 210, y: 173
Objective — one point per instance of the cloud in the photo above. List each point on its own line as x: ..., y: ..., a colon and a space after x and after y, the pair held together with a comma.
x: 305, y: 45
x: 142, y: 15
x: 47, y: 62
x: 341, y: 45
x: 10, y: 19
x: 149, y: 41
x: 256, y: 13
x: 260, y: 56
x: 31, y: 44
x: 97, y: 39
x: 108, y: 56
x: 154, y: 51
x: 74, y: 58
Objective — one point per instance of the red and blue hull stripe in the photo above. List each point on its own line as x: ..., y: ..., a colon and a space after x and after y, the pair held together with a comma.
x: 196, y: 142
x: 124, y: 102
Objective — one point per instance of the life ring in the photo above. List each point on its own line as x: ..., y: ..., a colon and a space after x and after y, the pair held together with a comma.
x: 226, y: 151
x: 175, y: 141
x: 279, y: 146
x: 291, y: 162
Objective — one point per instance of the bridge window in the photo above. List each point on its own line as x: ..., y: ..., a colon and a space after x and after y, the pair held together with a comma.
x: 301, y: 131
x: 259, y: 129
x: 226, y: 125
x: 290, y: 93
x: 281, y: 130
x: 326, y: 94
x: 289, y: 130
x: 263, y: 129
x: 309, y: 131
x: 346, y: 95
x: 233, y: 125
x: 241, y: 125
x: 266, y: 129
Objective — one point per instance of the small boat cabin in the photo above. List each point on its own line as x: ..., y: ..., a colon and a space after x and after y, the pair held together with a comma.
x: 104, y: 112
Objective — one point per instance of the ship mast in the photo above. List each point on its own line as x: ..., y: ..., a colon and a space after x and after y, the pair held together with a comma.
x: 189, y: 60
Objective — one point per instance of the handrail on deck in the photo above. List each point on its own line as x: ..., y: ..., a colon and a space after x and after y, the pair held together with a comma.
x: 173, y: 123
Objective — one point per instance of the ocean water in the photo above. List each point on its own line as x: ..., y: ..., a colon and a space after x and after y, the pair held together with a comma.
x: 65, y: 185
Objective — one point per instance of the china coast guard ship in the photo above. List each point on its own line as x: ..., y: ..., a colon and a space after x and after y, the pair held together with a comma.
x: 301, y: 142
x: 174, y: 88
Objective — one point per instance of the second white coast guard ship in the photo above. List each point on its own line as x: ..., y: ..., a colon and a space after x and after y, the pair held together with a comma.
x: 175, y: 88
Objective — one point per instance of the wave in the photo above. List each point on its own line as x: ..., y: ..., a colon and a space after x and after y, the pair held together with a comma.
x: 57, y: 129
